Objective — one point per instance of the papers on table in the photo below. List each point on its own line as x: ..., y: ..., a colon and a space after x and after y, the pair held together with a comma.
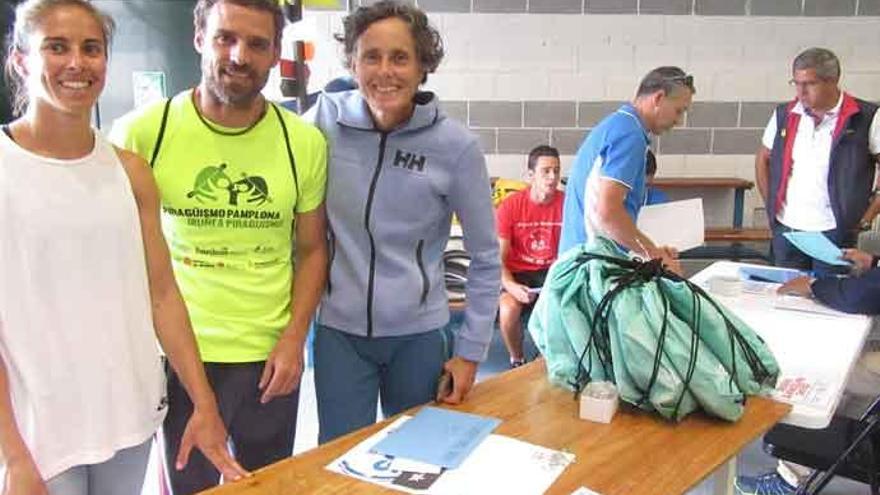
x: 679, y: 224
x: 808, y: 305
x: 437, y: 436
x: 767, y: 289
x: 766, y: 281
x: 498, y: 464
x: 769, y: 274
x: 801, y: 390
x: 817, y: 246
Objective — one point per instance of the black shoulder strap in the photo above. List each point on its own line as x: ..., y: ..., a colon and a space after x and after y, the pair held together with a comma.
x: 289, y: 154
x: 161, y: 134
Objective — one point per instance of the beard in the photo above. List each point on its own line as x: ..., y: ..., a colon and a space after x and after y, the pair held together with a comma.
x: 236, y: 94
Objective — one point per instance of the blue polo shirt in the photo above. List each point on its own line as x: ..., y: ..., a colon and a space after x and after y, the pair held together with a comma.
x: 615, y: 149
x: 654, y: 196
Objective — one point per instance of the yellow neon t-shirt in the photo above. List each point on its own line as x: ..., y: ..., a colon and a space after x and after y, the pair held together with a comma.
x: 228, y: 200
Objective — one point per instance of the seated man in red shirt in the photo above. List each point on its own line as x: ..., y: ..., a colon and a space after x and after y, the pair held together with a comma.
x: 529, y: 222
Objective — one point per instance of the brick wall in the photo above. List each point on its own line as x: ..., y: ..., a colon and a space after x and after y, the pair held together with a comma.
x: 523, y: 72
x: 514, y: 127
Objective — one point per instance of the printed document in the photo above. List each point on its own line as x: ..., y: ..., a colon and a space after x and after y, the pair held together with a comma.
x: 679, y: 224
x: 817, y: 246
x: 499, y: 464
x: 438, y: 436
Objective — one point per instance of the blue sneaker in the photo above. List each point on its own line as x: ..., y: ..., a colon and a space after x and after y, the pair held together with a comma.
x: 765, y: 484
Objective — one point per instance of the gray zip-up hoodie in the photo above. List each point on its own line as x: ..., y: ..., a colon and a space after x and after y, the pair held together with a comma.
x: 390, y: 201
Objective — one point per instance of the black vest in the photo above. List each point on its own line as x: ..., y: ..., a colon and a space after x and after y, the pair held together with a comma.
x: 851, y: 170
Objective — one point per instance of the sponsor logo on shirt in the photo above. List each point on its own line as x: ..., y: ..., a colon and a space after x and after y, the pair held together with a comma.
x: 213, y: 184
x: 409, y: 161
x: 231, y: 201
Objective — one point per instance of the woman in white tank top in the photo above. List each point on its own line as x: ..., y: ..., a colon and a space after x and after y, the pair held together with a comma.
x: 86, y: 284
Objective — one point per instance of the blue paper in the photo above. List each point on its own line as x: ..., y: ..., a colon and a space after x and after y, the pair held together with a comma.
x: 817, y: 246
x: 767, y: 274
x: 437, y: 436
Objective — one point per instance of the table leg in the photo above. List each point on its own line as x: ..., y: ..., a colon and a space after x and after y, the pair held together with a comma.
x: 739, y: 201
x: 723, y: 477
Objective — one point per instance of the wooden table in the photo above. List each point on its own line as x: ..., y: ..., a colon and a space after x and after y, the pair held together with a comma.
x: 636, y: 454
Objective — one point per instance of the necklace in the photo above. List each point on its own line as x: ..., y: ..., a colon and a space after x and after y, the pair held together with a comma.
x: 220, y: 131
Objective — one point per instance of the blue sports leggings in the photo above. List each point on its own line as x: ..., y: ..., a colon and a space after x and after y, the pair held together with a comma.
x: 352, y: 372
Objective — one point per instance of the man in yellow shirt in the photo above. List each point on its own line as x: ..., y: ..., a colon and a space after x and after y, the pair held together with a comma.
x: 240, y: 179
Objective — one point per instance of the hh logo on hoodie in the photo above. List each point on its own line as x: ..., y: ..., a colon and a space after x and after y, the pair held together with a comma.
x: 409, y: 161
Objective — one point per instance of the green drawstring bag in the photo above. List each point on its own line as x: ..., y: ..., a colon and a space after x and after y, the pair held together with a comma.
x: 666, y: 344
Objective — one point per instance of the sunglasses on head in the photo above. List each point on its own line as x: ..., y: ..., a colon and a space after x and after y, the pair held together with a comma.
x: 685, y: 79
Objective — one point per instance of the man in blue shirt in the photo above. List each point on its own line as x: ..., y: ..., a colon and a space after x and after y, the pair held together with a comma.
x: 858, y: 294
x: 606, y: 187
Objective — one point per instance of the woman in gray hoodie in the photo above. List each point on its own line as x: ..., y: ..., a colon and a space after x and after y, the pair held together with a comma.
x: 398, y: 171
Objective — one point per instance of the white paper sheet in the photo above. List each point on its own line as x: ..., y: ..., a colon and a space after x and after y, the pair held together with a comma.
x: 679, y: 224
x: 808, y: 305
x: 498, y: 465
x: 760, y: 288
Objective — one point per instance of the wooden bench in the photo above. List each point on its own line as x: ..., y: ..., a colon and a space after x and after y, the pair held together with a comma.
x: 702, y: 182
x: 737, y: 235
x: 734, y: 236
x: 734, y: 248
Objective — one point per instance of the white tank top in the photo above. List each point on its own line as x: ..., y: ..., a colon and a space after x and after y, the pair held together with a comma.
x: 76, y: 329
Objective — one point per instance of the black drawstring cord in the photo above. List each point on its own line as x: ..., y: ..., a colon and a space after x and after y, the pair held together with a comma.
x: 632, y: 272
x: 628, y: 273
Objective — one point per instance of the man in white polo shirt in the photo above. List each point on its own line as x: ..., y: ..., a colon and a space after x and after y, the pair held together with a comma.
x: 815, y: 170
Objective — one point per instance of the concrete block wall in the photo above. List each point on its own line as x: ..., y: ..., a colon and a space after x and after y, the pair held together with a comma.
x: 524, y: 72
